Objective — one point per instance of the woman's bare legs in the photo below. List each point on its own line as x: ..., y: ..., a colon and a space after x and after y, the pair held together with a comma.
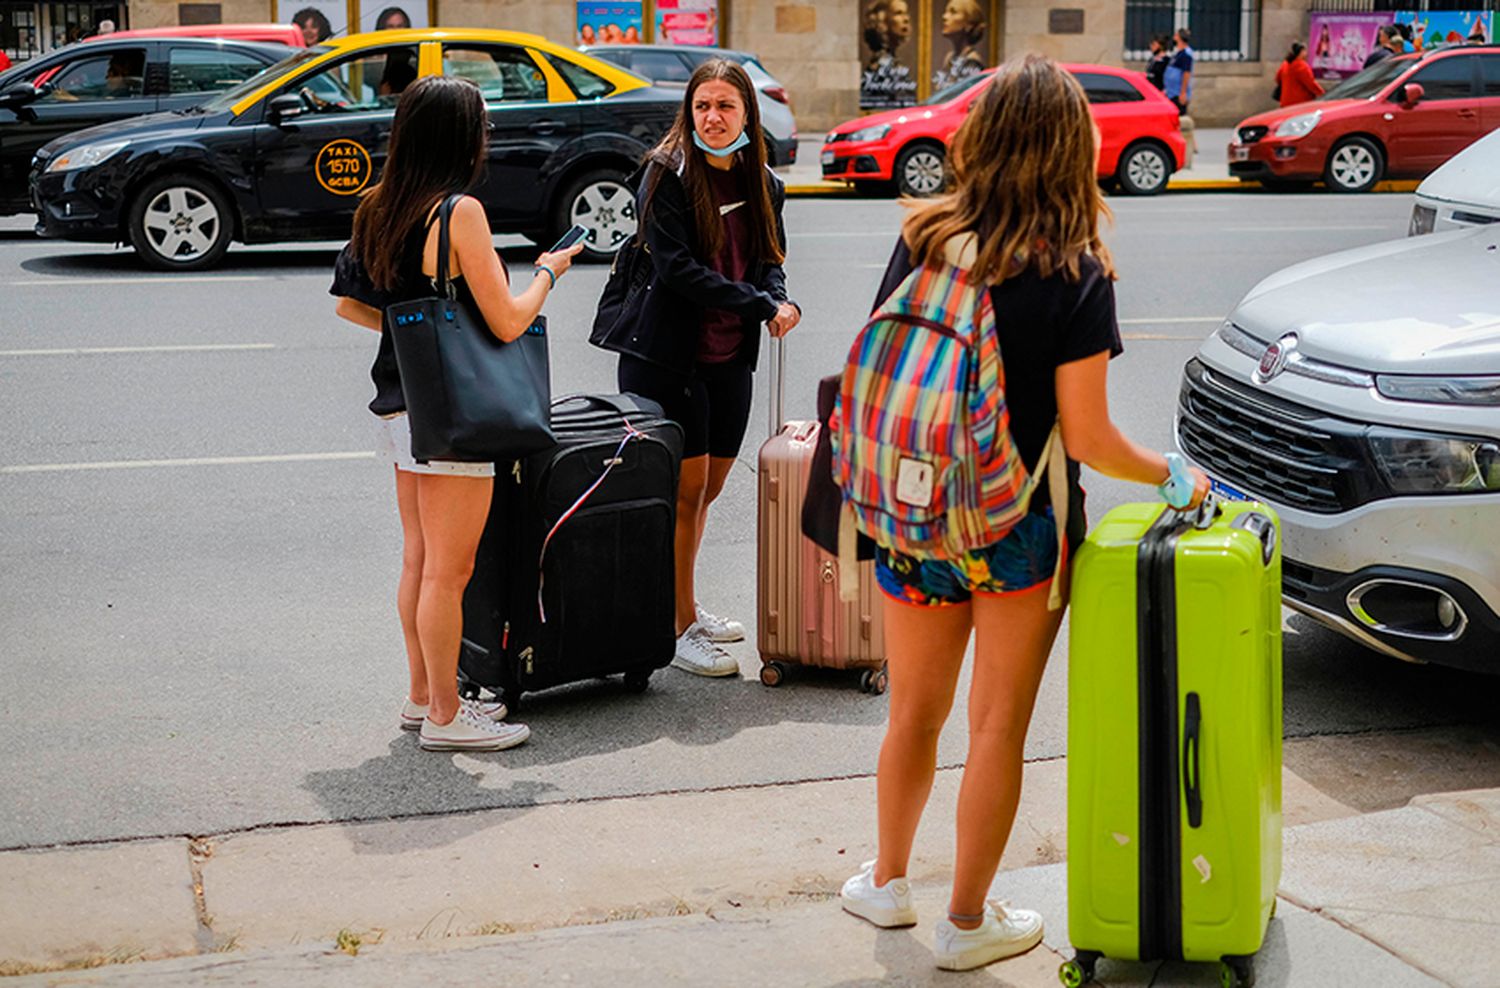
x: 452, y: 512
x: 408, y: 590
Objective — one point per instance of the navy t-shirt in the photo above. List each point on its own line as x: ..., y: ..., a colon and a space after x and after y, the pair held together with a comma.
x: 1043, y: 323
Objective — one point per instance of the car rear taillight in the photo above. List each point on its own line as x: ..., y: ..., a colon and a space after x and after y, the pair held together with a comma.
x: 778, y: 93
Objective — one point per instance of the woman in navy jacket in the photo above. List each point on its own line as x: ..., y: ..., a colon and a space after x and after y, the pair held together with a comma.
x: 711, y: 226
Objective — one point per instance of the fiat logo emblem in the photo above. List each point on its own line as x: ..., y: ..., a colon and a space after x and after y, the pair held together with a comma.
x: 1275, y: 359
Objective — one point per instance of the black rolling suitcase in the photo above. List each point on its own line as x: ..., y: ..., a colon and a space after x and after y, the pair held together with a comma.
x: 574, y: 575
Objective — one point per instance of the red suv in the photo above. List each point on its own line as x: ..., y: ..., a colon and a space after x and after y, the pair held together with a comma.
x: 1143, y: 143
x: 1400, y: 118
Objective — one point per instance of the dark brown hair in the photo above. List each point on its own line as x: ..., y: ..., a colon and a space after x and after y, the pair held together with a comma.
x: 437, y: 148
x: 1025, y: 179
x: 677, y: 148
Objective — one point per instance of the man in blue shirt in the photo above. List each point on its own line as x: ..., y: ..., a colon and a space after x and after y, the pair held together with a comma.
x: 1179, y: 74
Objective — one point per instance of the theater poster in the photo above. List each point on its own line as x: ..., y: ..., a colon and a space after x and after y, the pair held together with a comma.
x: 1339, y: 43
x: 887, y: 54
x: 960, y: 41
x: 319, y: 19
x: 610, y: 23
x: 687, y: 22
x: 389, y: 15
x: 1430, y: 28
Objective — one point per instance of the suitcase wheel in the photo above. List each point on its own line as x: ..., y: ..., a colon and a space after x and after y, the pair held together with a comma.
x: 772, y: 673
x: 1236, y: 972
x: 874, y: 681
x: 637, y: 680
x: 1079, y: 970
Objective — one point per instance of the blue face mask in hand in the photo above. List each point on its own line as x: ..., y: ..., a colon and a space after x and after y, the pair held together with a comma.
x: 734, y: 145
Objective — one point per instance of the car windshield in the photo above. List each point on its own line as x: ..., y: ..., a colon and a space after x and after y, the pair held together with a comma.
x: 954, y: 91
x: 229, y: 97
x: 1370, y: 82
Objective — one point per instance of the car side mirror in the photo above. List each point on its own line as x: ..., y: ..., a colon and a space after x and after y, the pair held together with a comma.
x: 287, y: 106
x: 1412, y: 93
x: 19, y: 94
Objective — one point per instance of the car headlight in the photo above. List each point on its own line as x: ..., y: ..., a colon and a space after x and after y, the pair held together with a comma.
x: 86, y: 156
x: 1299, y: 126
x: 1418, y: 464
x: 1440, y: 390
x: 874, y: 133
x: 1423, y: 218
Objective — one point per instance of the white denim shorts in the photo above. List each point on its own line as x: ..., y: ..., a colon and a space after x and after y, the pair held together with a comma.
x: 393, y: 446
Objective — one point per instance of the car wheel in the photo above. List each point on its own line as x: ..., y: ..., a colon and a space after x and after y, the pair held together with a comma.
x: 1144, y: 170
x: 181, y: 223
x: 921, y: 171
x: 1354, y: 165
x: 602, y: 204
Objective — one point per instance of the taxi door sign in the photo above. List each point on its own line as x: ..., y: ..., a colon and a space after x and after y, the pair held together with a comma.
x: 343, y: 167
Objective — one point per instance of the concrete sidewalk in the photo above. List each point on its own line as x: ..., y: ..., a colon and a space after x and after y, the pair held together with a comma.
x: 732, y: 887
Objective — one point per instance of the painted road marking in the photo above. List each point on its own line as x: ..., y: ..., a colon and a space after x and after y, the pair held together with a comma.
x: 173, y: 348
x: 199, y: 461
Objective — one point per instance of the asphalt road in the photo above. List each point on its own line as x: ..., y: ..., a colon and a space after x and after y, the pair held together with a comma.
x: 198, y: 552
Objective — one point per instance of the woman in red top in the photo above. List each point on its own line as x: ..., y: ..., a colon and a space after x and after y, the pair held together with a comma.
x: 1294, y: 79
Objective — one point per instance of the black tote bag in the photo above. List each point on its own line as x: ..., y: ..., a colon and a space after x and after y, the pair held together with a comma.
x: 469, y: 396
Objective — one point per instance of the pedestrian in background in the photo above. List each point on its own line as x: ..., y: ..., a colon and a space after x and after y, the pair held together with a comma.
x: 1384, y: 47
x: 1178, y: 77
x: 710, y: 219
x: 1156, y: 67
x: 1294, y: 77
x: 437, y: 149
x: 1024, y: 165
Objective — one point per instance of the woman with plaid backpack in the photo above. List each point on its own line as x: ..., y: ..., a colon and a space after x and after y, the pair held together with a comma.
x: 1008, y: 268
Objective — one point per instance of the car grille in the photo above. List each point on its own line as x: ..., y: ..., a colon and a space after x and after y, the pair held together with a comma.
x: 1272, y: 449
x: 1249, y: 135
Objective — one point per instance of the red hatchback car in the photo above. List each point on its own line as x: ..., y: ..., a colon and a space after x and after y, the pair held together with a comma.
x: 1143, y: 143
x: 1400, y: 118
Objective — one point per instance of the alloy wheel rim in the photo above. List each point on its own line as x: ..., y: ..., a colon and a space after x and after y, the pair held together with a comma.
x: 607, y: 211
x: 1353, y: 166
x: 924, y: 172
x: 181, y: 223
x: 1146, y: 170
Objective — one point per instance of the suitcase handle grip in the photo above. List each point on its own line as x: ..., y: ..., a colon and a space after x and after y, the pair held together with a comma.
x: 1192, y: 778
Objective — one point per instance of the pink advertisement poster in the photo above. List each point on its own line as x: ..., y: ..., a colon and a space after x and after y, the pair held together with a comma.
x: 687, y: 22
x: 1338, y: 43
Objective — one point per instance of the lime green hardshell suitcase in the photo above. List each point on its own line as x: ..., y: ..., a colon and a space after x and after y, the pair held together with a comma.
x: 1174, y: 738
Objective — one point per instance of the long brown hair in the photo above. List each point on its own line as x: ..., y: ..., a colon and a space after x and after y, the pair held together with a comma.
x: 1024, y: 169
x: 677, y: 148
x: 437, y: 148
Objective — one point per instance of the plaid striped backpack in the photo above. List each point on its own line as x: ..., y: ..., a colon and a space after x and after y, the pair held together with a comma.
x: 921, y: 439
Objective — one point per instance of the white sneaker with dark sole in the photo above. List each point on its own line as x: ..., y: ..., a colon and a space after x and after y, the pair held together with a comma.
x: 719, y: 629
x: 701, y: 657
x: 886, y: 906
x: 412, y: 714
x: 1004, y: 933
x: 471, y: 731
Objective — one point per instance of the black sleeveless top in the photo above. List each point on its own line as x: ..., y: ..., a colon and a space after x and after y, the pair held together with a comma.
x: 351, y: 281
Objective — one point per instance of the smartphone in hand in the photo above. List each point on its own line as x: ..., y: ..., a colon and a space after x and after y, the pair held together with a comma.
x: 570, y: 238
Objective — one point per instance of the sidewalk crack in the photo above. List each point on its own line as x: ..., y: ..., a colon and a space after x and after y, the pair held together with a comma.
x: 1333, y: 918
x: 200, y: 849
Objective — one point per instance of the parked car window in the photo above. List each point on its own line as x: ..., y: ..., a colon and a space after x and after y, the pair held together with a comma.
x: 503, y: 73
x: 118, y: 75
x: 616, y: 56
x: 583, y: 82
x: 229, y: 97
x: 1490, y: 66
x: 954, y: 91
x: 1370, y: 82
x: 1446, y: 78
x: 208, y: 70
x: 1101, y: 88
x: 370, y: 80
x: 660, y: 66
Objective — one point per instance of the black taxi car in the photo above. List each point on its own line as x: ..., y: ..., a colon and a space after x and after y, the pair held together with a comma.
x: 101, y: 80
x: 284, y: 156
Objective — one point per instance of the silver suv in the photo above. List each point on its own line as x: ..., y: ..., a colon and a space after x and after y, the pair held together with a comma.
x: 1359, y: 394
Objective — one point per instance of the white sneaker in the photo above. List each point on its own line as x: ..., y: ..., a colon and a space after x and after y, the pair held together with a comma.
x: 471, y: 731
x: 717, y: 628
x: 885, y: 905
x: 412, y: 714
x: 698, y: 655
x: 1005, y: 932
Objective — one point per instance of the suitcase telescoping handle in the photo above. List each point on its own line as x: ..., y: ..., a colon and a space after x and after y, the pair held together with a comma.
x: 1192, y: 740
x: 778, y: 385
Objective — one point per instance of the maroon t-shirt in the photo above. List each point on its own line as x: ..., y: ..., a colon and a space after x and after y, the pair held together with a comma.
x: 723, y: 332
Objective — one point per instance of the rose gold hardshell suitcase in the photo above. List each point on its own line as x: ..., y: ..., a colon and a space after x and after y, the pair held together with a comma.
x: 802, y: 621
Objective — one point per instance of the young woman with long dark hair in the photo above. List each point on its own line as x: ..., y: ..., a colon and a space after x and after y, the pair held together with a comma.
x: 1024, y: 165
x: 437, y: 149
x: 710, y: 215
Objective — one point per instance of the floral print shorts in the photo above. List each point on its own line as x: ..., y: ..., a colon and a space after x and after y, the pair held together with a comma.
x: 1024, y: 559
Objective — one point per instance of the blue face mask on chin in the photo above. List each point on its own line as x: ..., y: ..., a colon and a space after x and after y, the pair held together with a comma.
x: 724, y: 152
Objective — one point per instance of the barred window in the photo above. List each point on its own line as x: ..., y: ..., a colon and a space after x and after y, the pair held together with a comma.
x: 1223, y: 30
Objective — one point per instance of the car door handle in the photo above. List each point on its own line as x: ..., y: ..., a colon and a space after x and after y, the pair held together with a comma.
x: 545, y: 126
x: 1468, y: 114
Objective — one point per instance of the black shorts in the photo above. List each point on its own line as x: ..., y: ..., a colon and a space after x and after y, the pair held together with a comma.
x: 712, y: 404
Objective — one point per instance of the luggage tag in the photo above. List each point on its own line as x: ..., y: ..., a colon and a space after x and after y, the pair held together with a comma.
x: 914, y: 483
